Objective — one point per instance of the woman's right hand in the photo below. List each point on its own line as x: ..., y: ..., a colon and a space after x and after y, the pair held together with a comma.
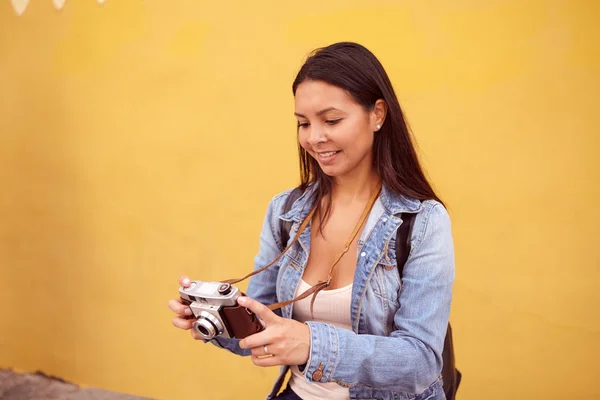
x: 184, y: 319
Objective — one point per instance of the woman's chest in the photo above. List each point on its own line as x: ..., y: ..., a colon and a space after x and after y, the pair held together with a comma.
x: 327, y: 259
x: 333, y: 249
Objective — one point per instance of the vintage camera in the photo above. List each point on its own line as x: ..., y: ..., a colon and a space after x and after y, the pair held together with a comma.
x: 217, y: 313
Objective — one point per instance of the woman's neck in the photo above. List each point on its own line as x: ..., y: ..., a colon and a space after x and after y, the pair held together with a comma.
x: 356, y: 186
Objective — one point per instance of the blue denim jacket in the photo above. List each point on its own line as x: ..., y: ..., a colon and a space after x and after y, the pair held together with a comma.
x: 394, y: 350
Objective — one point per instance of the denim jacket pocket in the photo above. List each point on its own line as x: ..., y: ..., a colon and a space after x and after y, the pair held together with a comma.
x: 386, y: 286
x: 291, y: 261
x: 387, y: 276
x: 293, y: 257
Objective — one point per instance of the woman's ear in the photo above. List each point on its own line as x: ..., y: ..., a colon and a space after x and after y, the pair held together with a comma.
x: 378, y: 114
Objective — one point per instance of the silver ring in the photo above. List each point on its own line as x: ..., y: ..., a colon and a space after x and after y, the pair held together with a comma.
x: 266, y: 351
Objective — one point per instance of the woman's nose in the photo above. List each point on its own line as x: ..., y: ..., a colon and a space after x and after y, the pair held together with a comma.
x: 316, y: 135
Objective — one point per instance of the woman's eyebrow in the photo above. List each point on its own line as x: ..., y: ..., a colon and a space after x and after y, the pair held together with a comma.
x: 323, y: 111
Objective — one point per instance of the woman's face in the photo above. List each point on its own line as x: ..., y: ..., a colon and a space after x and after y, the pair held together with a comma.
x: 334, y: 129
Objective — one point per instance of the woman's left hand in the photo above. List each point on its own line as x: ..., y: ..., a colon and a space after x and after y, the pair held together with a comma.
x: 287, y: 340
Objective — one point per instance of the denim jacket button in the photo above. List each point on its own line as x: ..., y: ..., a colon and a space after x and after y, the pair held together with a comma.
x: 389, y: 267
x: 318, y: 374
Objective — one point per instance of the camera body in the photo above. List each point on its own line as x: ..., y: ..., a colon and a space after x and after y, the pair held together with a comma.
x: 217, y: 313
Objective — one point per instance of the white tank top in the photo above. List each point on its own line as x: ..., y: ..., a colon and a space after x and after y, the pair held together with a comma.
x: 332, y: 307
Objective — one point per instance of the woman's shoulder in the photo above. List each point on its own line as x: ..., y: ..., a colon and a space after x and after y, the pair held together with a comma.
x: 432, y: 224
x: 433, y: 208
x: 396, y: 203
x: 279, y: 199
x: 283, y: 202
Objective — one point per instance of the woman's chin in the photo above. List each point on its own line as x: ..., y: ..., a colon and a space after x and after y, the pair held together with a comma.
x: 331, y: 170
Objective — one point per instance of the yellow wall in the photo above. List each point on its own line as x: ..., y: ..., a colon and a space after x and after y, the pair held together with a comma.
x: 140, y: 140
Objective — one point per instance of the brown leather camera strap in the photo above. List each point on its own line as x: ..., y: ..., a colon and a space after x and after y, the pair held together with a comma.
x: 321, y: 284
x: 302, y: 227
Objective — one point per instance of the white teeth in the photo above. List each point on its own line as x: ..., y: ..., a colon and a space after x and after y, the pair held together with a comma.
x: 328, y: 154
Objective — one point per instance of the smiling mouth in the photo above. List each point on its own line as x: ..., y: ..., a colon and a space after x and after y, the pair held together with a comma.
x: 328, y: 154
x: 327, y: 157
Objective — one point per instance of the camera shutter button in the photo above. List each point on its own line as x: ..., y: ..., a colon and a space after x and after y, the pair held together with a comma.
x: 224, y: 289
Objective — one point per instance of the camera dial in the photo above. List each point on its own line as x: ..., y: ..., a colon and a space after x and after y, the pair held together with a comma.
x: 224, y: 289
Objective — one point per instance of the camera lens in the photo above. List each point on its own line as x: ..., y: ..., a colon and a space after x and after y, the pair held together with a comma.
x: 203, y: 330
x: 206, y: 328
x: 208, y: 325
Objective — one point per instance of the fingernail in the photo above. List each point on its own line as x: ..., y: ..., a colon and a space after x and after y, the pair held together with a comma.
x: 187, y: 311
x: 186, y: 281
x: 242, y: 300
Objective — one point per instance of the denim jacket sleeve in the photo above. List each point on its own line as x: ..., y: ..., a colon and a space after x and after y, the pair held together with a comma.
x: 262, y: 286
x: 410, y: 359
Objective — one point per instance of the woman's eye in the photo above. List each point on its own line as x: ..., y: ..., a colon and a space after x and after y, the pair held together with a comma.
x: 302, y: 125
x: 332, y: 121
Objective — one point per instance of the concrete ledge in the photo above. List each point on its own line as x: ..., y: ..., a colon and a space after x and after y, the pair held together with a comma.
x: 39, y: 386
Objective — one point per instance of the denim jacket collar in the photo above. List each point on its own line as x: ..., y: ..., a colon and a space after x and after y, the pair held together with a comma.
x: 392, y: 202
x: 396, y: 203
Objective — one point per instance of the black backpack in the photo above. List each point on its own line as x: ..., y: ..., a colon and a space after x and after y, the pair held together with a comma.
x: 450, y: 375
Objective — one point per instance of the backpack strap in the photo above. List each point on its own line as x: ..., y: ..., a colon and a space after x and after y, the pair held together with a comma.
x: 403, y: 236
x: 450, y: 374
x: 286, y: 226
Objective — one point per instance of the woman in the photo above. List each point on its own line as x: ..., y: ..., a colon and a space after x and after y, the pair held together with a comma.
x: 357, y: 159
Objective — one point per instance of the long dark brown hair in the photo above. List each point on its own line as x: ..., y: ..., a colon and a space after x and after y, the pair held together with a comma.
x: 353, y: 68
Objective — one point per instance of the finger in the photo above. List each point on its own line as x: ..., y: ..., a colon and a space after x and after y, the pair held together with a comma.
x: 182, y: 323
x: 258, y: 339
x: 258, y: 308
x: 260, y: 351
x: 184, y: 281
x: 180, y: 309
x: 266, y: 361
